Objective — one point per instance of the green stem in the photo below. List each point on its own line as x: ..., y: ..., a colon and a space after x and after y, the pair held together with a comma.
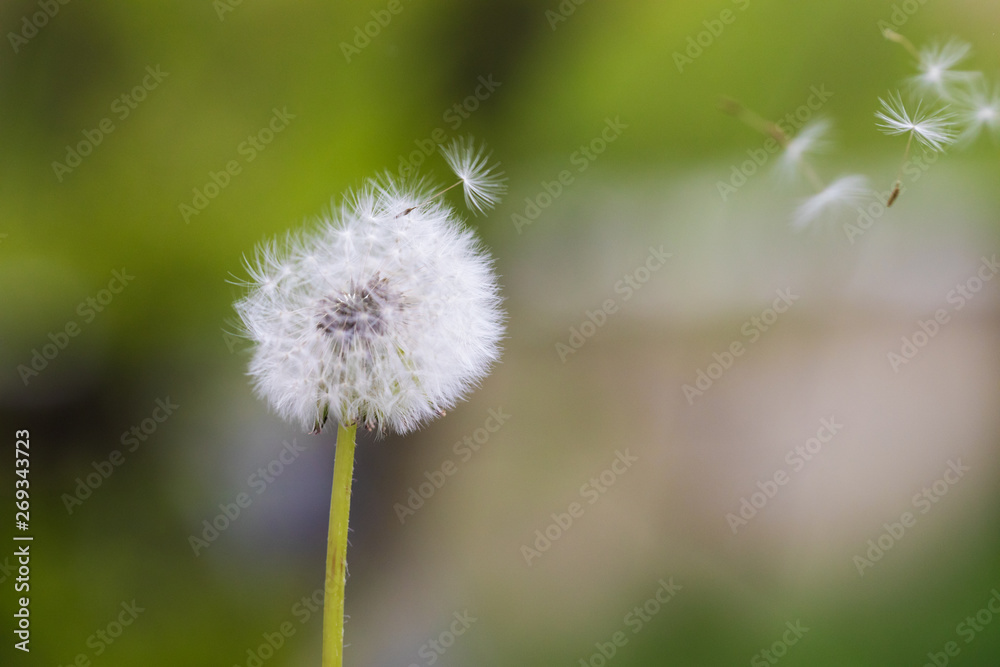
x: 336, y: 548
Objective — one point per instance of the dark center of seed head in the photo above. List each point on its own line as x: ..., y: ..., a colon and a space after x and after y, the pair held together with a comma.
x: 360, y: 311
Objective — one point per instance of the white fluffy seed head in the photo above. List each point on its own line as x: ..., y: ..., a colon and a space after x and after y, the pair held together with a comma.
x: 933, y: 129
x: 385, y: 314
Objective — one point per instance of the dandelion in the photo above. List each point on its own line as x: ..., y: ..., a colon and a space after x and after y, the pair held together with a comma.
x: 934, y: 130
x: 845, y: 192
x: 385, y: 315
x: 979, y: 110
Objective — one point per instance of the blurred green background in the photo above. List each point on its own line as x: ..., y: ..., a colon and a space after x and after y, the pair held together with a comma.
x: 272, y: 88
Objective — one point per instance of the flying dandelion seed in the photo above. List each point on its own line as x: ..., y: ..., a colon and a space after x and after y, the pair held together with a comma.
x: 844, y: 193
x: 810, y: 140
x: 935, y: 130
x: 482, y: 183
x: 936, y: 63
x: 979, y: 111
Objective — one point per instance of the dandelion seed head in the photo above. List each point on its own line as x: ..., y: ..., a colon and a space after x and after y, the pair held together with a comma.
x: 373, y: 316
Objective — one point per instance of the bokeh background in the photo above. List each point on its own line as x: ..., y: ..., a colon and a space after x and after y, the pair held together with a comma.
x: 558, y: 73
